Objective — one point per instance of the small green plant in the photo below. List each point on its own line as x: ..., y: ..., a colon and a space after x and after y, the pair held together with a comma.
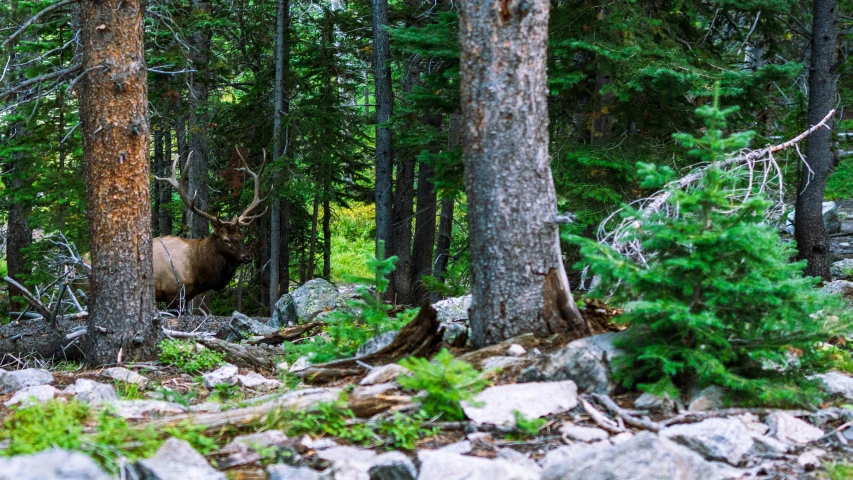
x: 37, y: 427
x: 403, y: 431
x: 717, y: 300
x: 175, y: 396
x: 194, y: 435
x: 186, y: 356
x: 224, y: 393
x: 839, y: 471
x: 445, y: 382
x: 330, y: 418
x: 527, y: 427
x: 66, y: 366
x: 289, y: 380
x: 127, y: 391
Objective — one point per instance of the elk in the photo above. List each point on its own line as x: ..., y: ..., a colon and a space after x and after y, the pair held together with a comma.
x: 185, y: 268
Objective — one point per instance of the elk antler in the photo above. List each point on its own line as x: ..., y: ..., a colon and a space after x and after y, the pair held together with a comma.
x: 244, y: 219
x: 182, y: 189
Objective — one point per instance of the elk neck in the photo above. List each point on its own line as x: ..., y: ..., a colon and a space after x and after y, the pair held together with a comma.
x: 214, y: 268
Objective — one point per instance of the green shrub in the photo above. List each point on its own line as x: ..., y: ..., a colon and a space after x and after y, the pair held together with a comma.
x: 527, y: 427
x: 186, y: 356
x: 330, y: 418
x: 38, y: 427
x: 718, y: 301
x: 403, y: 431
x: 445, y: 382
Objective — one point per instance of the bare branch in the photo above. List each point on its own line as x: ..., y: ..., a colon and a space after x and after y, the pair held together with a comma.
x: 35, y: 302
x: 41, y: 78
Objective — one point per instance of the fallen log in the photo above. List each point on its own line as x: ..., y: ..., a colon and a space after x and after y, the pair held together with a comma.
x: 476, y: 358
x: 420, y: 338
x: 29, y: 338
x: 243, y: 355
x: 288, y: 334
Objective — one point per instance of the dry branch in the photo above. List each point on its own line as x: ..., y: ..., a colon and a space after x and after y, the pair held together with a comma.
x: 41, y: 78
x: 33, y: 300
x: 627, y: 417
x: 288, y: 334
x: 476, y: 358
x: 242, y: 355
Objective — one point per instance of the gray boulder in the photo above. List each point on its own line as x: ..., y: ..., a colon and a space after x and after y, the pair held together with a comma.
x: 495, y: 405
x: 241, y: 327
x: 830, y: 219
x: 177, y: 460
x: 644, y: 457
x: 376, y: 343
x: 842, y: 287
x: 715, y: 438
x: 570, y: 431
x: 585, y: 361
x: 568, y: 453
x: 286, y: 472
x: 305, y: 303
x: 392, y: 466
x: 224, y: 375
x: 790, y: 429
x: 837, y: 383
x: 661, y: 403
x: 710, y: 398
x: 127, y: 376
x: 51, y: 465
x: 437, y: 465
x: 451, y: 310
x: 90, y: 391
x: 842, y: 268
x: 14, y: 380
x: 30, y: 395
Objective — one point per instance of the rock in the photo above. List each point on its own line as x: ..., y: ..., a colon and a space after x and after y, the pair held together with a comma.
x: 787, y: 428
x: 301, y: 363
x: 305, y: 303
x: 383, y: 374
x: 137, y: 409
x: 452, y: 332
x: 282, y: 367
x: 241, y: 327
x: 373, y: 390
x: 30, y: 395
x: 837, y: 383
x: 715, y: 438
x: 319, y: 444
x: 621, y: 438
x: 224, y: 375
x: 14, y: 380
x: 842, y: 269
x: 376, y: 343
x: 655, y: 403
x: 645, y: 457
x: 206, y: 407
x: 286, y: 472
x: 570, y: 431
x: 752, y: 423
x: 258, y: 382
x: 585, y: 361
x: 843, y: 287
x: 516, y: 350
x: 518, y: 458
x: 710, y: 398
x: 51, y: 465
x: 533, y: 400
x: 437, y: 465
x: 810, y: 460
x: 460, y: 448
x: 567, y: 453
x: 452, y: 310
x: 392, y: 466
x: 177, y: 460
x: 479, y: 437
x: 506, y: 363
x: 255, y: 441
x: 830, y: 219
x: 339, y: 454
x: 90, y: 391
x: 127, y: 376
x: 763, y: 444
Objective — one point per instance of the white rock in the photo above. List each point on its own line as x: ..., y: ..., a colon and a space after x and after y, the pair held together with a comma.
x: 392, y: 466
x: 437, y: 465
x: 460, y: 448
x: 837, y: 383
x: 710, y: 398
x: 51, y: 465
x: 765, y: 444
x: 254, y: 441
x: 515, y: 350
x: 714, y: 438
x: 206, y: 407
x: 621, y: 438
x: 506, y: 363
x: 286, y: 472
x: 224, y: 375
x: 258, y: 382
x: 124, y: 375
x: 137, y: 409
x: 14, y: 380
x: 383, y: 374
x: 339, y: 454
x: 479, y: 437
x: 90, y: 391
x: 810, y: 460
x: 519, y: 459
x: 30, y: 395
x: 300, y: 364
x: 752, y: 423
x: 787, y: 428
x: 282, y: 367
x: 647, y: 401
x: 318, y: 444
x: 570, y: 431
x: 533, y: 400
x: 568, y: 453
x: 177, y: 460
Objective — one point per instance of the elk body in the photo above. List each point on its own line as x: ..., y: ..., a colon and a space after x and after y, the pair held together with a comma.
x: 185, y: 268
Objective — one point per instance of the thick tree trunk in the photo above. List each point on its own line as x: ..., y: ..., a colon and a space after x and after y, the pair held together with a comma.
x: 809, y: 230
x: 199, y: 122
x: 278, y: 249
x: 424, y: 240
x: 123, y: 324
x: 19, y: 235
x: 519, y: 281
x: 384, y: 108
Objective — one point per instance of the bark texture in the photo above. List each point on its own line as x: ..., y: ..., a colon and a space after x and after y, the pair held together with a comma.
x: 384, y: 108
x: 519, y: 281
x: 278, y: 249
x: 199, y: 122
x: 424, y: 240
x: 114, y: 113
x: 809, y: 230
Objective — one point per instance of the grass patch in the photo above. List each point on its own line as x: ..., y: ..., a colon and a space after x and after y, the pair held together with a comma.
x: 188, y: 357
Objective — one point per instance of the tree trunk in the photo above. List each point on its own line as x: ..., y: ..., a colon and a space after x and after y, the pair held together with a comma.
x: 424, y: 241
x: 327, y: 234
x: 519, y: 281
x: 199, y: 121
x: 164, y: 219
x: 20, y: 235
x: 384, y: 108
x: 183, y: 152
x: 280, y: 107
x: 445, y: 223
x: 158, y: 167
x: 809, y: 230
x: 123, y: 324
x: 312, y: 249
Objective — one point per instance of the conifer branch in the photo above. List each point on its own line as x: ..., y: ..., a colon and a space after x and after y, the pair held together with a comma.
x: 34, y: 19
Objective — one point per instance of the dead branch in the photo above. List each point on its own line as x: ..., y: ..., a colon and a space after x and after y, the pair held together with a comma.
x: 35, y: 302
x: 600, y: 419
x: 41, y: 78
x: 476, y: 358
x: 248, y: 356
x: 627, y: 417
x: 288, y: 334
x: 35, y: 18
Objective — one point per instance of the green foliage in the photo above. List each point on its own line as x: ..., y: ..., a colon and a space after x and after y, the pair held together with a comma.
x: 839, y: 186
x: 127, y: 391
x: 445, y: 382
x: 38, y: 427
x: 839, y: 471
x: 528, y: 427
x: 187, y: 357
x: 331, y: 418
x: 170, y: 395
x: 718, y: 301
x: 403, y: 431
x: 225, y: 393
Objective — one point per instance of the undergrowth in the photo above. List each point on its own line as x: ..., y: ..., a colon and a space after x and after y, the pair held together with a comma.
x: 188, y: 357
x: 445, y: 382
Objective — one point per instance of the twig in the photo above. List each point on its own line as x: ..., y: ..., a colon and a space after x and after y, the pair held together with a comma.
x: 600, y: 419
x: 178, y: 334
x: 35, y: 18
x: 627, y: 417
x: 41, y: 78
